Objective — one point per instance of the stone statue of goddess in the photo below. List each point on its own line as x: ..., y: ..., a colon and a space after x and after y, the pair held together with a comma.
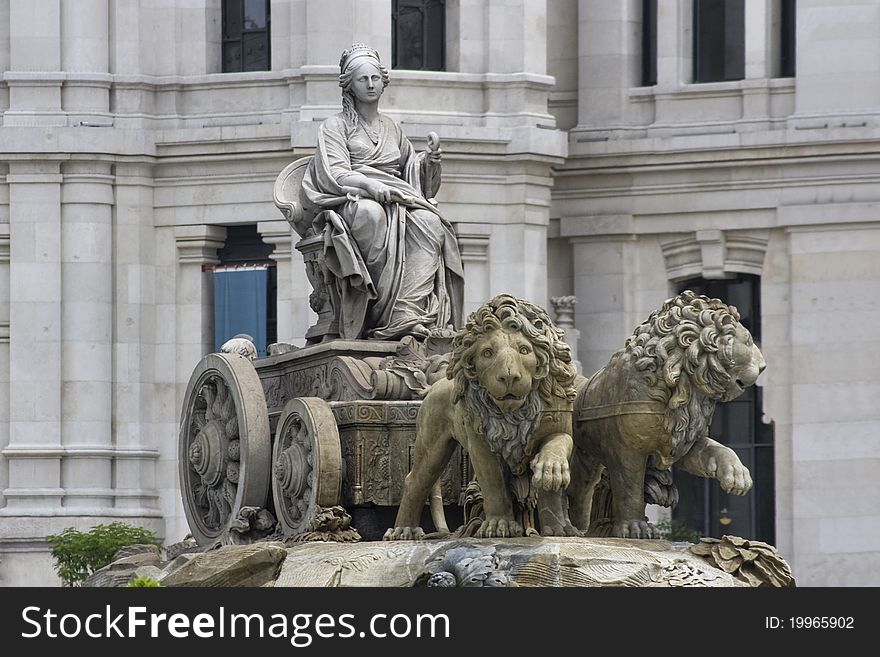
x: 393, y: 258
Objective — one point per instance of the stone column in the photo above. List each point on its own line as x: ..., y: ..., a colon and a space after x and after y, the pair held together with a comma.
x: 473, y: 242
x: 197, y: 246
x: 290, y: 317
x: 759, y: 64
x: 674, y: 43
x: 608, y: 61
x: 349, y: 21
x: 327, y: 34
x: 289, y: 34
x: 86, y: 332
x: 603, y: 285
x: 835, y: 384
x: 4, y: 346
x: 519, y: 257
x: 34, y: 76
x: 838, y: 58
x: 517, y: 36
x: 34, y: 450
x: 85, y: 57
x: 136, y: 328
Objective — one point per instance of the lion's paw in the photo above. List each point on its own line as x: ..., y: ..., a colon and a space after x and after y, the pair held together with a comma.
x: 556, y: 529
x: 498, y: 527
x: 550, y: 472
x: 733, y: 475
x: 634, y: 529
x: 404, y: 534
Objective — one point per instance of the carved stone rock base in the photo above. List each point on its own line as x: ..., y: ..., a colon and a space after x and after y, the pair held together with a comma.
x: 563, y: 562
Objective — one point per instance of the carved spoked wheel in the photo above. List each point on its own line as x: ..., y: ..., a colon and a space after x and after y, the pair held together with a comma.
x: 306, y: 463
x: 224, y: 445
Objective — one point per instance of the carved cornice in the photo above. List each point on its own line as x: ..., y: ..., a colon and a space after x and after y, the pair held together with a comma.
x: 279, y: 235
x: 473, y: 242
x: 714, y: 254
x: 198, y: 245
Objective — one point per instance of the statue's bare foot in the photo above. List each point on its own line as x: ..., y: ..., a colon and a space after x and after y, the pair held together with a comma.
x: 404, y: 534
x: 734, y: 477
x: 499, y: 527
x: 634, y: 529
x: 419, y: 331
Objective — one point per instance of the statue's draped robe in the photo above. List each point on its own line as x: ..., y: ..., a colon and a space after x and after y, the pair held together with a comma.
x: 394, y: 268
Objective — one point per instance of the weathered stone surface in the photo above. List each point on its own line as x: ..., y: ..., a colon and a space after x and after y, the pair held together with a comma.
x: 234, y: 565
x: 153, y: 572
x: 109, y: 577
x: 121, y: 570
x: 141, y: 548
x: 563, y: 562
x: 646, y: 407
x: 136, y: 560
x: 753, y: 562
x: 508, y: 399
x: 187, y: 545
x: 178, y: 562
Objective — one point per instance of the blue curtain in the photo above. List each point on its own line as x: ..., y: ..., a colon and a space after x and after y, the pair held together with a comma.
x: 240, y: 305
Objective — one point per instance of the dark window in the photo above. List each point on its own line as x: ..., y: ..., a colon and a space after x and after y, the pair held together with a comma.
x: 245, y: 270
x: 703, y: 506
x: 246, y: 35
x: 787, y: 18
x: 649, y: 43
x: 719, y: 40
x: 418, y: 34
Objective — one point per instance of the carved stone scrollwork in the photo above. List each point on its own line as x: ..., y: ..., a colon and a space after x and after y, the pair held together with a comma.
x: 406, y: 375
x: 330, y: 525
x: 223, y: 445
x: 306, y: 464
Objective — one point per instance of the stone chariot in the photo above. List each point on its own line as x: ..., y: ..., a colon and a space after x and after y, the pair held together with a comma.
x: 302, y: 430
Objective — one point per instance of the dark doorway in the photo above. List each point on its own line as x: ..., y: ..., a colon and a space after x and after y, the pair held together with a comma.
x: 739, y: 424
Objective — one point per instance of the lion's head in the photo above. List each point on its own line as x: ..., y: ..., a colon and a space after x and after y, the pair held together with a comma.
x: 508, y: 363
x: 694, y: 341
x: 694, y: 352
x: 510, y: 348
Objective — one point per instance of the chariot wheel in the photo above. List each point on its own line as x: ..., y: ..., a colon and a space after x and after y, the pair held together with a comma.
x: 306, y: 463
x: 224, y: 445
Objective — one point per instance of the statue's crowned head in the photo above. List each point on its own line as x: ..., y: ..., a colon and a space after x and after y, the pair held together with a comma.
x: 352, y: 58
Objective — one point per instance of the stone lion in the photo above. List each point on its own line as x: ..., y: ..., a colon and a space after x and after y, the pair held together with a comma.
x: 507, y: 400
x: 652, y: 405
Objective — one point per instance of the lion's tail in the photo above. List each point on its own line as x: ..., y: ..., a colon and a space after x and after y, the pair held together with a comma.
x: 659, y: 486
x: 438, y: 516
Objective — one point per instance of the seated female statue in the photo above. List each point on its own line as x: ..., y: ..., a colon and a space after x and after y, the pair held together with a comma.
x: 393, y: 258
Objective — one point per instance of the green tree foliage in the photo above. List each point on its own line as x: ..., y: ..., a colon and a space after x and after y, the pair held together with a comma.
x: 676, y: 530
x: 78, y: 554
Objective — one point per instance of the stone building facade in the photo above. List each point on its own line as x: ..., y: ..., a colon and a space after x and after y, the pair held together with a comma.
x: 127, y: 155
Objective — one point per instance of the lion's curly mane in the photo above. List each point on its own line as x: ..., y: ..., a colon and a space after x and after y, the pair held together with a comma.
x: 683, y: 350
x: 508, y: 433
x: 555, y: 374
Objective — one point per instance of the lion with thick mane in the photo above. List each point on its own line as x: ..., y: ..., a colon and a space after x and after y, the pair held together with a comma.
x: 652, y: 405
x: 507, y: 400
